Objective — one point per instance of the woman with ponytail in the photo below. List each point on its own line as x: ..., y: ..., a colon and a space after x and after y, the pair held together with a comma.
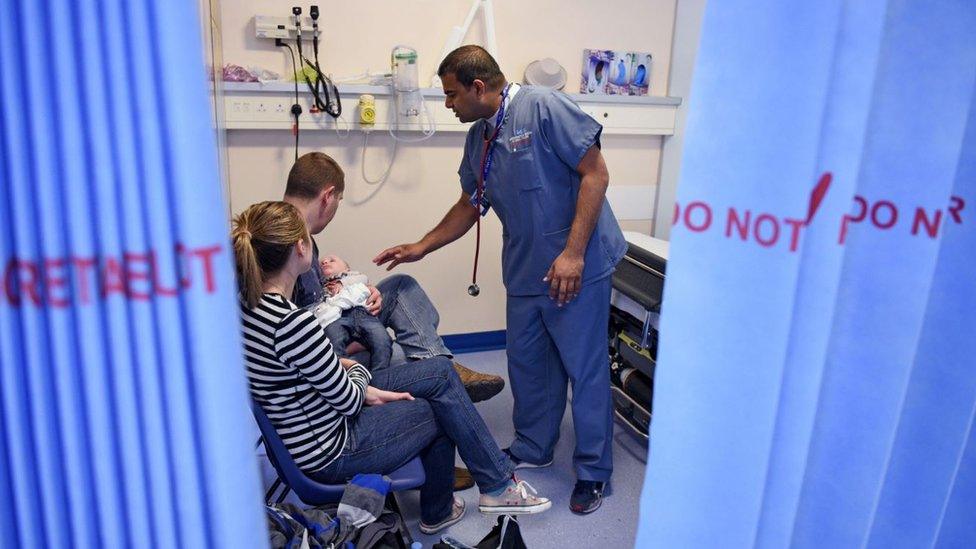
x: 337, y: 419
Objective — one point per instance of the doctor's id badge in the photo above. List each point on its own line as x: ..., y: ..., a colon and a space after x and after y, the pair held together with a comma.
x: 520, y: 141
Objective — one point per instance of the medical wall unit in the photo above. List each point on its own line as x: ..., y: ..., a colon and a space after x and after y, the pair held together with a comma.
x: 266, y: 106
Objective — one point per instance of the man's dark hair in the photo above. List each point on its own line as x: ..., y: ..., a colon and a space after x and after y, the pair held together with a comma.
x: 470, y: 63
x: 313, y: 172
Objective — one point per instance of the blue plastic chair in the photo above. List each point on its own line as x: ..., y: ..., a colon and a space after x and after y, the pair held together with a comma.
x: 407, y: 477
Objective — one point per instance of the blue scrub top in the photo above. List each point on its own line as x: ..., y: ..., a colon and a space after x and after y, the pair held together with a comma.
x: 533, y: 187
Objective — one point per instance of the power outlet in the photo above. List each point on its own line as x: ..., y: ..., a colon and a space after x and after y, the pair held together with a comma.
x: 266, y: 26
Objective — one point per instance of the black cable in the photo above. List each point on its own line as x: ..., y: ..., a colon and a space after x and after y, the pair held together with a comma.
x: 326, y: 98
x: 296, y: 109
x: 333, y: 104
x: 315, y: 48
x: 294, y: 66
x: 317, y: 103
x: 313, y: 12
x: 325, y: 95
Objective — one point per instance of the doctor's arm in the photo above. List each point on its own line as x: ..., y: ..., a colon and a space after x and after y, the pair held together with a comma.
x: 566, y: 273
x: 455, y: 224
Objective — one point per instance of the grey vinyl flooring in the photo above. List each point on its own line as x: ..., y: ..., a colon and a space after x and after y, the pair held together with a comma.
x: 613, y: 525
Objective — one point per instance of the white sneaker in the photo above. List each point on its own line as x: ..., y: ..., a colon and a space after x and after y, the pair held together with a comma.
x: 457, y: 513
x: 518, y: 499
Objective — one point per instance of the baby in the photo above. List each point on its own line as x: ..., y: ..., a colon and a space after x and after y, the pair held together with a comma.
x: 344, y: 316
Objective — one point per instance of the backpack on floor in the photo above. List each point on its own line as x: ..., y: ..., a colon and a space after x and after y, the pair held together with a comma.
x: 290, y: 527
x: 505, y: 535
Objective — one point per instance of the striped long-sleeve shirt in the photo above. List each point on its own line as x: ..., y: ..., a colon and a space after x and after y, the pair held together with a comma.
x: 297, y: 379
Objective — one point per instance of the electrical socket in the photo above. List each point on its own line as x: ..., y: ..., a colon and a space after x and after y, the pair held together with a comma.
x: 268, y: 26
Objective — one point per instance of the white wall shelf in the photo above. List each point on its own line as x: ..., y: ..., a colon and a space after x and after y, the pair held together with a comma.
x: 266, y: 106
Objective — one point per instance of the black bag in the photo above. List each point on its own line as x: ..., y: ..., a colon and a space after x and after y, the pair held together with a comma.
x: 388, y: 532
x: 505, y: 535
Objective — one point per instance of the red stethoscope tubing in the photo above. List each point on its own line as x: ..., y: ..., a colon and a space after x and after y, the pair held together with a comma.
x: 481, y: 190
x: 473, y: 290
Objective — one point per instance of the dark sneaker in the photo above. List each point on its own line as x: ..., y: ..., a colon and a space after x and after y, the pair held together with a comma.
x: 462, y: 479
x: 520, y: 464
x: 587, y: 496
x: 518, y: 499
x: 457, y: 513
x: 479, y: 386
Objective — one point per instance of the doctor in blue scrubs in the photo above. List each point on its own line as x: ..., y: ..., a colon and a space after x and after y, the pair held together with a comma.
x: 534, y: 158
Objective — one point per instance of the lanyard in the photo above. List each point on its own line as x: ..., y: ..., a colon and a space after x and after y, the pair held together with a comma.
x: 487, y: 154
x: 478, y: 200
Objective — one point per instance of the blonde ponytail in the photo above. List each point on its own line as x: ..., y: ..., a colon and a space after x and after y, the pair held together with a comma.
x: 263, y: 237
x: 249, y: 276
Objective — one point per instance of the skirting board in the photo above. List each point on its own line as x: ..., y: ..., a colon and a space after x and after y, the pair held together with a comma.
x: 475, y: 342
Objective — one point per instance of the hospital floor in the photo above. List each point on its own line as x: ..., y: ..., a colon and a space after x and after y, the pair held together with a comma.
x: 612, y: 526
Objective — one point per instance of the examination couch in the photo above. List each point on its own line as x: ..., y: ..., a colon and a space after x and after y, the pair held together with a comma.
x: 635, y: 307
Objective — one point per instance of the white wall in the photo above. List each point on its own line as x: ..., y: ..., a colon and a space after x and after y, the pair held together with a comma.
x: 687, y: 35
x: 423, y: 183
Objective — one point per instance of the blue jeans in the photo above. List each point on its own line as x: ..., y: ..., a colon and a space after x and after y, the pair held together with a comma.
x: 406, y: 309
x: 413, y: 318
x: 382, y: 438
x: 358, y: 324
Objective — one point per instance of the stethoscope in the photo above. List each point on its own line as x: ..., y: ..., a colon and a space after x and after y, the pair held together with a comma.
x: 325, y: 94
x: 478, y: 200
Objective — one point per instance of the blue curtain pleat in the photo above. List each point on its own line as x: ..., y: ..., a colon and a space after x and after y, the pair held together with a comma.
x: 949, y: 349
x: 175, y: 465
x: 119, y: 424
x: 927, y: 453
x: 910, y: 158
x: 38, y: 397
x: 108, y: 183
x: 734, y: 91
x: 841, y: 141
x: 18, y: 421
x: 956, y: 527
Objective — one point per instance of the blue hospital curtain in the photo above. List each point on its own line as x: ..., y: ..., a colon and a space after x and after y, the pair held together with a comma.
x: 817, y: 376
x: 123, y: 406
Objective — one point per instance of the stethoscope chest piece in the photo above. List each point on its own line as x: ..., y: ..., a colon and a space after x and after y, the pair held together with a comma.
x: 474, y: 290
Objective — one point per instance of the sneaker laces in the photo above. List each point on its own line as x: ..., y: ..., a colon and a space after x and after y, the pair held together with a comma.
x: 523, y: 488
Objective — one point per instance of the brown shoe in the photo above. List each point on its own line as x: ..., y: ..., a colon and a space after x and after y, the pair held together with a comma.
x: 479, y: 386
x: 462, y: 479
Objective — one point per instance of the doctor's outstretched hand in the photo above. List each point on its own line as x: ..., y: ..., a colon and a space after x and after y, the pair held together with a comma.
x: 565, y: 277
x: 404, y: 253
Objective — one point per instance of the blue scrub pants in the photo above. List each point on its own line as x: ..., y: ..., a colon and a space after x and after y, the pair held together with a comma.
x: 548, y: 346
